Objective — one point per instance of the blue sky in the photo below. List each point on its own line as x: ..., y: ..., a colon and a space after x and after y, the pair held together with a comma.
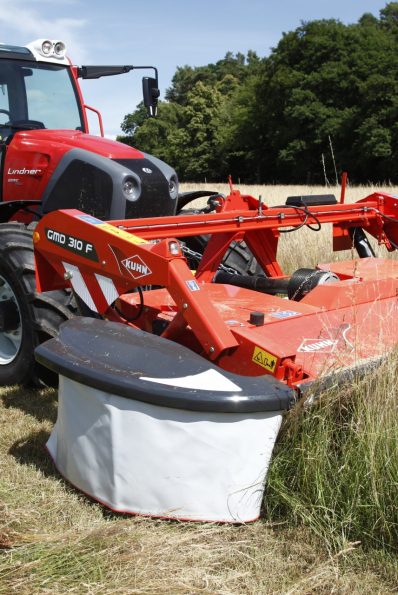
x: 163, y: 33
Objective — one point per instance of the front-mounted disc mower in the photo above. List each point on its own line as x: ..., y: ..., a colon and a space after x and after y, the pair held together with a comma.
x: 178, y: 380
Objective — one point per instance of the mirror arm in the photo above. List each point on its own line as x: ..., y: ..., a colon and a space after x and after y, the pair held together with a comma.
x: 96, y: 72
x: 151, y: 85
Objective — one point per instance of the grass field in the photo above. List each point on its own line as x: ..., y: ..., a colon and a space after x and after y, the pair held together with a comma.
x: 330, y: 523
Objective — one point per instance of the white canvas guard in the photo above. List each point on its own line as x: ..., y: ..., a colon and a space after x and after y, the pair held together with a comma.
x: 141, y: 458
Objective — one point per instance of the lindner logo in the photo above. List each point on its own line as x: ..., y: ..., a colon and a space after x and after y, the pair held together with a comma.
x: 136, y: 267
x: 23, y: 172
x: 147, y: 170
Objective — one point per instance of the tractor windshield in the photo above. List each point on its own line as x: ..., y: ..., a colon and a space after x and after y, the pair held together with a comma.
x: 37, y: 95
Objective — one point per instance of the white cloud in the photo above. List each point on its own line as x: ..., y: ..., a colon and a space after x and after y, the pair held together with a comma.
x: 24, y: 20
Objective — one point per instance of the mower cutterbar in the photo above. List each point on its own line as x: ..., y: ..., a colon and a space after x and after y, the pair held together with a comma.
x: 336, y: 317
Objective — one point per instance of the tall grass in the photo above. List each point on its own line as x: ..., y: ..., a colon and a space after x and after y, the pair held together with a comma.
x: 335, y: 468
x: 54, y: 540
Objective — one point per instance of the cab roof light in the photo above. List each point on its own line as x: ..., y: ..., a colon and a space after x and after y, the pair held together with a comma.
x: 49, y: 49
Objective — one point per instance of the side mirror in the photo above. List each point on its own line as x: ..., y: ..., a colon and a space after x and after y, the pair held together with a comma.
x: 151, y: 94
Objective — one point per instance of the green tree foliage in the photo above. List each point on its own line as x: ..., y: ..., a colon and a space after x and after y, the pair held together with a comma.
x: 275, y: 119
x: 324, y: 80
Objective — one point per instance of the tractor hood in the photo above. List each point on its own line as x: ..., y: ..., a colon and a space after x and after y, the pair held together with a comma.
x: 71, y: 169
x: 68, y: 139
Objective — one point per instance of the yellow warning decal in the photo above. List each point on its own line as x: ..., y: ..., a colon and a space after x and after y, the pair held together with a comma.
x: 122, y: 234
x: 264, y: 358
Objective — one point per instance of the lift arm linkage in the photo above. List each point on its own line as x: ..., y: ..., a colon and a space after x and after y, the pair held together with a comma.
x: 101, y: 262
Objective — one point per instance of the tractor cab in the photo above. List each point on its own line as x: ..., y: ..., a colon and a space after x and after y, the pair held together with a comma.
x: 37, y: 93
x: 39, y: 88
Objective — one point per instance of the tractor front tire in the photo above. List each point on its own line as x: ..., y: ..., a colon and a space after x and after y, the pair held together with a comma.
x: 27, y: 318
x: 238, y: 257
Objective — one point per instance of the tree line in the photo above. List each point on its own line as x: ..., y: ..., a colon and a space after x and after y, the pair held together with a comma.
x: 324, y: 101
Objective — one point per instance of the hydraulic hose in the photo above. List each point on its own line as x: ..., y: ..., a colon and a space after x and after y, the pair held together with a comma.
x: 361, y: 242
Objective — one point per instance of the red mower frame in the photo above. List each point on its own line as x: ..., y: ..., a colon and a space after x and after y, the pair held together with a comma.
x: 104, y: 262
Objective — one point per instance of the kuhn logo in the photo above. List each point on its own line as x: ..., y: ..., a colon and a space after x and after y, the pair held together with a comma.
x: 136, y: 267
x: 323, y: 345
x: 23, y: 172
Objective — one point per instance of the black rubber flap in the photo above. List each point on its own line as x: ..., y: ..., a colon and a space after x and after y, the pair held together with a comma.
x: 311, y: 200
x: 116, y: 359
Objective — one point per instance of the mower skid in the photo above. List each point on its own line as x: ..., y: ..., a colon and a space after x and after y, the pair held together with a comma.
x: 146, y: 426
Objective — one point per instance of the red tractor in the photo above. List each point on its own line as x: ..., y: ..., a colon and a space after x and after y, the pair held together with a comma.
x: 49, y: 161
